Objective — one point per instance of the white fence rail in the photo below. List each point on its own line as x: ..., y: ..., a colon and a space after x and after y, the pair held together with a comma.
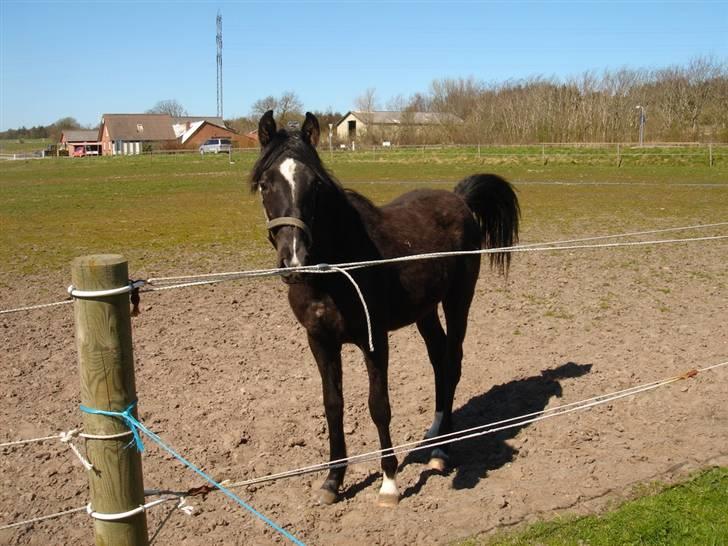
x: 605, y: 152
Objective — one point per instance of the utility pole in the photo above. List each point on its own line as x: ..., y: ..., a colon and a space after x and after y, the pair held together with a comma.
x: 642, y: 123
x: 219, y: 64
x: 331, y: 149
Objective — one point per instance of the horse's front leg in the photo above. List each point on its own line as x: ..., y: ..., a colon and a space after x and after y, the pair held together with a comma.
x: 379, y: 408
x: 327, y: 353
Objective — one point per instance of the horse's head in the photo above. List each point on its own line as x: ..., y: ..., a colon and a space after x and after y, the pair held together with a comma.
x: 287, y: 175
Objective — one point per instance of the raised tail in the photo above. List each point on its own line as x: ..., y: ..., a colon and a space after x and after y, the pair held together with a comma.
x: 495, y: 205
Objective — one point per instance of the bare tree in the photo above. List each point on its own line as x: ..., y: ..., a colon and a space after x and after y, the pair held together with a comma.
x: 397, y: 103
x: 168, y: 106
x: 261, y: 106
x: 366, y: 103
x: 61, y: 125
x: 290, y: 107
x: 287, y: 107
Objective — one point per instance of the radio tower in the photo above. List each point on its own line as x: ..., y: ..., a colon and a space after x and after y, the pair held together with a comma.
x: 219, y: 64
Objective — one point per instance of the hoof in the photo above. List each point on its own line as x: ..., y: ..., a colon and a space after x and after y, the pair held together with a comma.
x: 438, y: 464
x: 326, y: 496
x: 387, y: 500
x: 438, y: 460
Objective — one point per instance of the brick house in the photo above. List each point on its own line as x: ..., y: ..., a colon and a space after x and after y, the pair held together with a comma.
x: 86, y: 139
x: 191, y: 132
x: 130, y: 134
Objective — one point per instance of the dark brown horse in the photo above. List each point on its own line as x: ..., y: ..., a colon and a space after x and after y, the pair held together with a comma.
x: 312, y: 219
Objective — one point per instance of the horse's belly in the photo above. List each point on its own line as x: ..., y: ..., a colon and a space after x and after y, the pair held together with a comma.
x: 418, y: 289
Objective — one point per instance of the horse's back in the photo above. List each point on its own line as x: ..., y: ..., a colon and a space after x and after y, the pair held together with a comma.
x: 420, y: 222
x: 428, y: 220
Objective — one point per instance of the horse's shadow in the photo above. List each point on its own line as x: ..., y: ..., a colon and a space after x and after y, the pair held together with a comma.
x: 472, y: 458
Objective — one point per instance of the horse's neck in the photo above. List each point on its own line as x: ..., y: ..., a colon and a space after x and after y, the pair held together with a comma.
x: 349, y: 238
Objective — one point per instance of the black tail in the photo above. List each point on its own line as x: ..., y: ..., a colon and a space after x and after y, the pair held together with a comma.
x: 495, y: 206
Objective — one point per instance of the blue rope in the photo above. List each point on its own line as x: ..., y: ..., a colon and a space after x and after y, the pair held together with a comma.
x: 135, y: 426
x: 126, y: 416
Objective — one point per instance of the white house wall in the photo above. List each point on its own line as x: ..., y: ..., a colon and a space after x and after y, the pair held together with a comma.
x: 125, y: 147
x: 342, y: 129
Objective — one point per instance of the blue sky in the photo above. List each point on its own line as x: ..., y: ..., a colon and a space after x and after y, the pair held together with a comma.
x: 83, y: 59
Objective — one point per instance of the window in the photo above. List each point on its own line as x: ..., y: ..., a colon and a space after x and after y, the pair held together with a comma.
x: 140, y: 128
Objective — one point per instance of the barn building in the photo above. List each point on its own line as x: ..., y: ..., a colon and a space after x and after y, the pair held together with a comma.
x: 390, y: 126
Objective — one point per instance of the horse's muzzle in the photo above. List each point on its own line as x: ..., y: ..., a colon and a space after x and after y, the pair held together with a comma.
x: 293, y: 277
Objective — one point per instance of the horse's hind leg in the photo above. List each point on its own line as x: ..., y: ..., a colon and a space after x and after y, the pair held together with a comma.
x: 436, y: 342
x: 380, y: 410
x: 456, y: 306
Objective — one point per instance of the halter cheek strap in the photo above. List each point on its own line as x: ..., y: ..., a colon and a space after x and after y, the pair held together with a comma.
x: 290, y: 221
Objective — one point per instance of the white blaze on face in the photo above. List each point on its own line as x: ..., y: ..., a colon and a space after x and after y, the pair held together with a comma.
x: 288, y: 171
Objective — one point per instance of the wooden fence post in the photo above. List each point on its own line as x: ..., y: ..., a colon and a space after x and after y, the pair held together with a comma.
x: 106, y: 362
x: 619, y: 156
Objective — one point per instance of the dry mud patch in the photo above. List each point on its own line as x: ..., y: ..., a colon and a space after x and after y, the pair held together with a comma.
x: 224, y: 375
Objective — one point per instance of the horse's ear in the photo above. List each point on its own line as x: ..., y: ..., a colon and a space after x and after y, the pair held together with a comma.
x: 266, y: 128
x: 310, y: 129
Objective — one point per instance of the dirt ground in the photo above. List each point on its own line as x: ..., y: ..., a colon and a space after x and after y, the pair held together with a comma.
x: 224, y: 375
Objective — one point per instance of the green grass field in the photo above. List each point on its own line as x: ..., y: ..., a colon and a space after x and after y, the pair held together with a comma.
x: 15, y: 146
x: 152, y: 209
x: 694, y: 512
x: 607, y: 155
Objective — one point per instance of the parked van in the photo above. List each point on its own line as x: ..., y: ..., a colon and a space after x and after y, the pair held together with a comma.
x: 216, y: 146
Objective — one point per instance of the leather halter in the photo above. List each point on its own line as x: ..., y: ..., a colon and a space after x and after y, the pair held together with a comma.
x: 291, y: 221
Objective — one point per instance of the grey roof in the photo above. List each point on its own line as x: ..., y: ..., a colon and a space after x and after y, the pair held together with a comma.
x: 407, y: 118
x: 81, y: 135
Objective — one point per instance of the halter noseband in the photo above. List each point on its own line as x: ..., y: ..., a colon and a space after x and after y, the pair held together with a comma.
x: 291, y: 221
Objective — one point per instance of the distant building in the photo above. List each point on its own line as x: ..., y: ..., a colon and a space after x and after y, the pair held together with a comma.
x: 193, y: 131
x: 80, y: 141
x: 129, y: 134
x: 390, y: 125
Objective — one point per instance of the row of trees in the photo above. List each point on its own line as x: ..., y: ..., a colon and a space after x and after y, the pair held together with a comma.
x: 288, y: 109
x: 682, y: 103
x: 52, y: 131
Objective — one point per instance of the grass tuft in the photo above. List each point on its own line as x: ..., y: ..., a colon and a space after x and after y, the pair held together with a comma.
x: 693, y: 512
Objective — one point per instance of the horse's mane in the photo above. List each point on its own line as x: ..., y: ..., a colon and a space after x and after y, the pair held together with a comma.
x: 361, y: 202
x: 292, y: 144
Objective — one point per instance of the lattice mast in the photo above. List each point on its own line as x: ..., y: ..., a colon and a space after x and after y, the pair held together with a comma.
x: 219, y: 64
